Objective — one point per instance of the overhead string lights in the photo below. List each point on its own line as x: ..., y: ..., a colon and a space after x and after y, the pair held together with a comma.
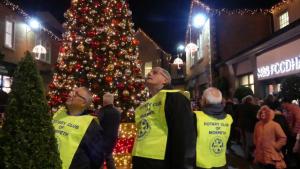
x: 224, y: 11
x: 27, y: 17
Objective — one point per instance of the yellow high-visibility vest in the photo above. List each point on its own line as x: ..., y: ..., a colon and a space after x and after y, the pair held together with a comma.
x: 69, y: 131
x: 152, y: 129
x: 212, y: 139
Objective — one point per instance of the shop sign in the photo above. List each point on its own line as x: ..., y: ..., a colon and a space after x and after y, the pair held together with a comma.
x: 279, y: 62
x: 285, y: 66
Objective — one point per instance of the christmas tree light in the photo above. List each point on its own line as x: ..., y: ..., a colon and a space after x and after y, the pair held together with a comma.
x: 99, y: 51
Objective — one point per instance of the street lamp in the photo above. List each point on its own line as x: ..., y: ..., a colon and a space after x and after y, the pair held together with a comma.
x: 180, y: 47
x: 178, y: 61
x: 36, y: 25
x: 199, y: 20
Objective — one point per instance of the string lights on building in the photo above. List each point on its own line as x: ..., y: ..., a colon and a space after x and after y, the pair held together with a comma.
x: 21, y: 12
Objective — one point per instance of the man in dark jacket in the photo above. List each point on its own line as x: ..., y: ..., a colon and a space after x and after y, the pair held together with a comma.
x: 79, y: 135
x: 110, y: 119
x: 246, y: 121
x: 166, y: 129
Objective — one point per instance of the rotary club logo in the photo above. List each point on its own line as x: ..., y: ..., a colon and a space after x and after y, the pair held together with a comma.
x: 217, y: 146
x: 143, y: 129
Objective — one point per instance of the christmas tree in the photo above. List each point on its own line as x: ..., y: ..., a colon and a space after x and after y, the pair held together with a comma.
x: 28, y: 135
x: 99, y: 51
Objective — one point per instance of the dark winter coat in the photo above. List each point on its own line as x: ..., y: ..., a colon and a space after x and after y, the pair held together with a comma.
x: 110, y: 119
x: 247, y: 116
x: 90, y: 153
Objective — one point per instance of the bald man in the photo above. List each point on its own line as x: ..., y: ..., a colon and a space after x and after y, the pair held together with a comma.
x: 213, y: 128
x: 166, y: 132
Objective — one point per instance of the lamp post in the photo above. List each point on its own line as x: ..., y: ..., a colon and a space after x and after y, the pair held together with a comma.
x: 178, y: 61
x: 36, y: 25
x: 199, y: 20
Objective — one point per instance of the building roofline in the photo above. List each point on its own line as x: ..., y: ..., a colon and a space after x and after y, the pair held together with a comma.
x: 152, y: 41
x: 277, y: 38
x: 26, y: 16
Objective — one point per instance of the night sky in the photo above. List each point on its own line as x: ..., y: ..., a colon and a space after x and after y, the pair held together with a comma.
x: 165, y: 21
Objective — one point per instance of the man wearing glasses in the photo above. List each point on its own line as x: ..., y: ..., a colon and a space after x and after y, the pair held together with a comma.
x: 79, y: 135
x: 166, y: 131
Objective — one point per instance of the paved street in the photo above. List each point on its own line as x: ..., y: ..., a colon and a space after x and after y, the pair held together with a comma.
x: 236, y: 160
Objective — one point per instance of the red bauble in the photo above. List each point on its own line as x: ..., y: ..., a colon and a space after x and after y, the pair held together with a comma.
x: 51, y: 86
x: 84, y: 10
x: 115, y: 21
x: 130, y: 87
x: 91, y: 33
x: 81, y: 80
x: 119, y: 5
x: 77, y: 66
x: 135, y: 42
x: 108, y: 79
x: 121, y: 86
x: 96, y: 99
x: 136, y: 70
x: 124, y: 38
x: 62, y: 50
x: 95, y: 44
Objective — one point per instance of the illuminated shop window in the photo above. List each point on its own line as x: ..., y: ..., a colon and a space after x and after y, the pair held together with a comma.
x: 247, y: 81
x: 283, y: 19
x: 148, y: 67
x: 5, y: 83
x: 274, y: 88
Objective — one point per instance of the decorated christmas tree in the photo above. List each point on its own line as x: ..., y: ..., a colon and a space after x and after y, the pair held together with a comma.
x: 28, y: 140
x: 99, y: 51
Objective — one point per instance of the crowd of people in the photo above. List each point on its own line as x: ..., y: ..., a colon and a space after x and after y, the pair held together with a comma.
x: 171, y: 134
x: 268, y: 130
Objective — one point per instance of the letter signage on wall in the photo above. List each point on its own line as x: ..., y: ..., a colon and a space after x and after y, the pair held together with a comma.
x: 282, y: 61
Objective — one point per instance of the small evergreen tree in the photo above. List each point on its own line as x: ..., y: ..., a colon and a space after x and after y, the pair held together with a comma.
x: 290, y: 88
x: 29, y: 141
x: 242, y: 91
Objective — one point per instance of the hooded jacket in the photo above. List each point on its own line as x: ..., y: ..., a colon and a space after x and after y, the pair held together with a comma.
x: 269, y: 138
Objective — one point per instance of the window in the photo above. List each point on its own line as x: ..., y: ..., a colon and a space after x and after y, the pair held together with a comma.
x: 247, y: 80
x: 274, y: 88
x: 44, y: 57
x: 5, y: 83
x: 283, y: 19
x: 9, y: 34
x: 148, y: 67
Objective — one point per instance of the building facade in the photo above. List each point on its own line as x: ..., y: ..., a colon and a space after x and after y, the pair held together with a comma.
x: 267, y: 63
x: 238, y: 42
x: 17, y: 37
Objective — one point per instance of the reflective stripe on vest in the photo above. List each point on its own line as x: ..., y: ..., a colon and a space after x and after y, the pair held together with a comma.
x: 212, y: 139
x: 152, y: 130
x: 69, y: 131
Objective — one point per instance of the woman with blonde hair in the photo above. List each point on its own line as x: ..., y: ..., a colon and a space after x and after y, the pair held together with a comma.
x: 269, y: 138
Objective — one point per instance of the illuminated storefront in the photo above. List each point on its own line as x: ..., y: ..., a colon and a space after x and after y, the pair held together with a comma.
x: 266, y: 64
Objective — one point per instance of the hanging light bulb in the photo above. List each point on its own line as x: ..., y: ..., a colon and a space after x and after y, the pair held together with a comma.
x: 178, y: 61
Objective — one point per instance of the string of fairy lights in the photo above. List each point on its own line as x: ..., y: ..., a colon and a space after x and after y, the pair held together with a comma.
x: 223, y: 11
x: 27, y: 17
